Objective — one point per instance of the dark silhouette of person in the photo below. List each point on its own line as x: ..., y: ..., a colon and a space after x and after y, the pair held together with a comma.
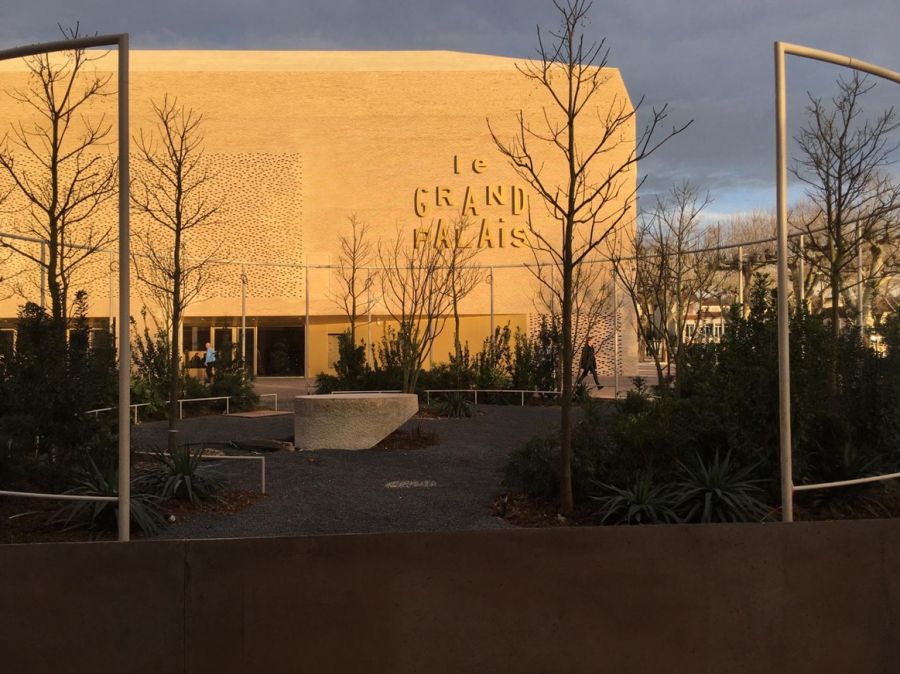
x: 589, y: 363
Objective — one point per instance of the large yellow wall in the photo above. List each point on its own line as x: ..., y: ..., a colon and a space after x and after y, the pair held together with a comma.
x: 298, y: 141
x: 473, y: 330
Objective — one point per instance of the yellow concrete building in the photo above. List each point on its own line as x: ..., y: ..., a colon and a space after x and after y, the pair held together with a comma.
x: 300, y: 141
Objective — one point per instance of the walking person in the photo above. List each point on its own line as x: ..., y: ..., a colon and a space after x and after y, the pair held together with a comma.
x: 589, y: 363
x: 209, y: 361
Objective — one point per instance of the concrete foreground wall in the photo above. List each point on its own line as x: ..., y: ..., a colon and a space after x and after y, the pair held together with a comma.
x: 821, y: 597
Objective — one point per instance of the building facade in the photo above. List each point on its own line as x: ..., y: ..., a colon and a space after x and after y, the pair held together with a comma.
x: 297, y: 143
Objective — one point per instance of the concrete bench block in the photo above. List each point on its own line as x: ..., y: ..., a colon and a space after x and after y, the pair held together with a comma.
x: 350, y: 421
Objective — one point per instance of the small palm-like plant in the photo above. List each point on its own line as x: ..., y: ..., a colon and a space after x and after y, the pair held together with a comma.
x: 457, y: 406
x: 639, y: 503
x: 718, y: 492
x: 183, y: 476
x: 102, y: 515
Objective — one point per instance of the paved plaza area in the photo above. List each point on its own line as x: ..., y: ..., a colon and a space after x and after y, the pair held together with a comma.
x: 448, y: 485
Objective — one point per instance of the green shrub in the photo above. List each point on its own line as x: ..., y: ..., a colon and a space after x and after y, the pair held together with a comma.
x: 535, y: 360
x: 102, y: 515
x: 493, y: 363
x: 640, y: 502
x: 152, y: 363
x: 49, y: 383
x: 327, y: 383
x: 182, y: 475
x: 718, y: 491
x: 457, y: 405
x: 351, y: 368
x: 534, y: 467
x: 238, y: 385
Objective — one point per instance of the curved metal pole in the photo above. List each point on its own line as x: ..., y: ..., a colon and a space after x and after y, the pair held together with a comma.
x: 784, y: 389
x: 784, y: 358
x: 121, y: 42
x: 244, y: 317
x: 124, y: 515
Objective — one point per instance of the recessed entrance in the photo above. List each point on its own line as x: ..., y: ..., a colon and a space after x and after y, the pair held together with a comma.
x: 280, y: 352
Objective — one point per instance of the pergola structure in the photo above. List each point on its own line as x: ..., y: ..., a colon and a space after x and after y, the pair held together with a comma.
x: 784, y: 359
x: 121, y: 42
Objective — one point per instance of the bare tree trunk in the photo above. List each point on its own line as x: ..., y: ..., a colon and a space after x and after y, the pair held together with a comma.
x: 175, y: 362
x: 567, y: 498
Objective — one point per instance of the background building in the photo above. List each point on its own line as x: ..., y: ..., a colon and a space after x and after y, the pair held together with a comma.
x: 300, y: 141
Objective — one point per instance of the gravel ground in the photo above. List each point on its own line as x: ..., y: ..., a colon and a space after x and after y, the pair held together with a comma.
x: 345, y: 492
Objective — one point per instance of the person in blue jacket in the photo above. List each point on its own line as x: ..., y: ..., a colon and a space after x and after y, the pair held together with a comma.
x: 209, y: 361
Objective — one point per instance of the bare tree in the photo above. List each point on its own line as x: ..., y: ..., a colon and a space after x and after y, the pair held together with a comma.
x: 354, y: 279
x: 807, y: 279
x: 672, y: 274
x: 415, y: 282
x: 750, y: 251
x: 55, y: 163
x: 842, y: 157
x: 172, y: 190
x: 591, y: 148
x: 591, y: 300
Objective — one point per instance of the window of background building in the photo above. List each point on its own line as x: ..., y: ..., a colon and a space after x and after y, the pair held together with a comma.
x: 334, y: 348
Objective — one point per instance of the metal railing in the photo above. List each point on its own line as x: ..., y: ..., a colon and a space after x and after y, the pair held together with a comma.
x: 181, y: 402
x: 247, y: 457
x: 110, y: 409
x: 337, y: 393
x: 58, y: 497
x: 476, y: 391
x: 270, y: 395
x: 844, y: 483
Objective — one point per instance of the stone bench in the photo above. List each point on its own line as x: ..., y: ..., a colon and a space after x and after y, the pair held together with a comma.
x: 350, y: 421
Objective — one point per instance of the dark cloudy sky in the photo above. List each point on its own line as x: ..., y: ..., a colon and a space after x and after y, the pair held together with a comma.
x: 710, y: 60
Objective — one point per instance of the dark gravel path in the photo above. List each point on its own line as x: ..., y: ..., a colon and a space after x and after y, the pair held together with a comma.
x: 344, y: 492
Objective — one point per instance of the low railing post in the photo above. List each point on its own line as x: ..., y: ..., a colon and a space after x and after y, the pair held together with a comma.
x: 427, y: 398
x: 476, y: 397
x: 227, y: 405
x: 276, y: 402
x: 263, y: 476
x: 523, y: 398
x: 180, y: 410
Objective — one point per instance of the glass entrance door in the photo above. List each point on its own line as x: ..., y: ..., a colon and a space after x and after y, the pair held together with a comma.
x: 280, y: 352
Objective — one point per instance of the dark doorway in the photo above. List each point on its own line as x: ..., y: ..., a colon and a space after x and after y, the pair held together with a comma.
x: 280, y: 352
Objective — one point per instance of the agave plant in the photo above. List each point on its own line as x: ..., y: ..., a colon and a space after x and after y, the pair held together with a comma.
x: 718, y: 492
x: 183, y: 476
x: 457, y: 406
x: 103, y: 515
x: 639, y: 503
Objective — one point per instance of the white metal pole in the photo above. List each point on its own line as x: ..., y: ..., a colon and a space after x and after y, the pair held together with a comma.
x: 492, y: 300
x: 43, y: 275
x: 124, y: 519
x: 801, y: 287
x: 615, y: 295
x: 741, y: 279
x: 306, y: 330
x: 784, y: 358
x: 369, y: 350
x: 112, y: 291
x: 244, y: 316
x: 859, y: 289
